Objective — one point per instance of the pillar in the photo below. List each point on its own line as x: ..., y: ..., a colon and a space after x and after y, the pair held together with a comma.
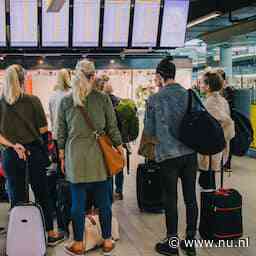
x: 226, y: 61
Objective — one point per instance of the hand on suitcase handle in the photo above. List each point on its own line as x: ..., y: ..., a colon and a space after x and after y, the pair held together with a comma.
x: 21, y: 151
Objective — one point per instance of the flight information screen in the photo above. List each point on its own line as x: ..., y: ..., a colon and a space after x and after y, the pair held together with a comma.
x: 116, y: 23
x: 55, y: 26
x: 2, y: 25
x: 86, y: 23
x: 23, y: 23
x: 145, y: 25
x: 174, y: 23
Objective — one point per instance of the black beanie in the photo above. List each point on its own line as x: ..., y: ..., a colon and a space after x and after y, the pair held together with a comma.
x: 166, y: 68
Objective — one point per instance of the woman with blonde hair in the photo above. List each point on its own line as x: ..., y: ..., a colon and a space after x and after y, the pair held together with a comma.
x: 81, y: 155
x: 23, y: 127
x: 61, y: 89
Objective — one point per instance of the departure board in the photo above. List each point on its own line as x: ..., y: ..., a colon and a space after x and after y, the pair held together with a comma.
x: 24, y: 23
x: 55, y: 26
x: 86, y: 23
x: 145, y: 25
x: 2, y: 25
x: 174, y: 23
x: 116, y: 23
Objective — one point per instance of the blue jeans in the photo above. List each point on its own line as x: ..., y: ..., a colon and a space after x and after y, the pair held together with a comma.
x: 102, y: 199
x: 15, y: 173
x: 119, y: 181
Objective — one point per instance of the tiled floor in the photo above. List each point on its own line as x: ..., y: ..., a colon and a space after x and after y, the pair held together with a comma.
x: 139, y: 232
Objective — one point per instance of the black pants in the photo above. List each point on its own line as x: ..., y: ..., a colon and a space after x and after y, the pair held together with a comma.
x: 15, y: 171
x: 186, y: 168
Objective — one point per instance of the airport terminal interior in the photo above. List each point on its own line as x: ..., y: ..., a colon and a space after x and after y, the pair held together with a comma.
x: 124, y: 42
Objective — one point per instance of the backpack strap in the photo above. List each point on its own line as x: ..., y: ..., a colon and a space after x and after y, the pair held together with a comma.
x: 192, y: 95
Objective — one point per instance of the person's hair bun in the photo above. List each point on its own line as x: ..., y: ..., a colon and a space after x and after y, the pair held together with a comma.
x: 169, y: 58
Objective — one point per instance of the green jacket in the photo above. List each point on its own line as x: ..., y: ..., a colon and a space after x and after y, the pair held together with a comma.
x: 83, y: 157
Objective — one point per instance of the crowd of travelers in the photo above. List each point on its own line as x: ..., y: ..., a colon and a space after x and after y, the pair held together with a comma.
x: 24, y: 133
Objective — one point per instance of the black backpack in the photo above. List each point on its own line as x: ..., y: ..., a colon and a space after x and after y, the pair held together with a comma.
x: 240, y: 144
x: 200, y: 131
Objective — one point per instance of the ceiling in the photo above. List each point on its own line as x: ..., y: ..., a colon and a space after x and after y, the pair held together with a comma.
x: 236, y: 27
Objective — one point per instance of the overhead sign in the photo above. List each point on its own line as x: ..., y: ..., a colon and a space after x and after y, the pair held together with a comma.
x: 116, y: 23
x: 145, y: 25
x: 86, y: 23
x: 55, y: 26
x: 174, y: 23
x: 24, y: 23
x: 2, y: 25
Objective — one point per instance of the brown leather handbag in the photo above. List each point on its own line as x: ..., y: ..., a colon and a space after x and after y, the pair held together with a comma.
x: 147, y: 146
x: 113, y: 158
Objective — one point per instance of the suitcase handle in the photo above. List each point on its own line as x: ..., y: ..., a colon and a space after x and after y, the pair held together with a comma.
x: 222, y: 174
x: 26, y: 187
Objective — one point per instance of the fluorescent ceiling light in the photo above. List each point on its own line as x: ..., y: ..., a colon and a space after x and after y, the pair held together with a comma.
x: 204, y: 19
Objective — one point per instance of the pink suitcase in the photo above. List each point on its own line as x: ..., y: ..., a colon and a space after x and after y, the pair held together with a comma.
x: 26, y: 231
x: 26, y: 235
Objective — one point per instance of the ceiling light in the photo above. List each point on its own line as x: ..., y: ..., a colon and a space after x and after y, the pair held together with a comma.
x: 40, y: 61
x: 204, y: 19
x: 55, y: 5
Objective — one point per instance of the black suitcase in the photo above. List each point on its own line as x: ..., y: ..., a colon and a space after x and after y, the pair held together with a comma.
x: 221, y: 214
x: 149, y: 188
x: 64, y: 203
x: 4, y: 198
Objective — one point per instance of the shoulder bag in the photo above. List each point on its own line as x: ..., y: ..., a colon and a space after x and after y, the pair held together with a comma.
x: 200, y: 131
x: 113, y: 159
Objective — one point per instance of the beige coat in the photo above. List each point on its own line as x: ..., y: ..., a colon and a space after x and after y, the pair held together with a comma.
x: 218, y: 107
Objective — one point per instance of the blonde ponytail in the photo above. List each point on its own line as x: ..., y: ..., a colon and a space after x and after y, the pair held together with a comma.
x: 81, y: 84
x: 12, y: 87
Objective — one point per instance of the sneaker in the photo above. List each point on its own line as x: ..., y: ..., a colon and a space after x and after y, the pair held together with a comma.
x: 2, y: 231
x: 164, y: 247
x: 190, y: 249
x: 53, y: 241
x: 71, y: 250
x: 108, y: 247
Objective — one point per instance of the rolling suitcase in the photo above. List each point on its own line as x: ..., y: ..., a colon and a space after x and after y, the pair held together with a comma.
x: 149, y: 188
x: 26, y: 234
x: 221, y: 213
x: 64, y: 203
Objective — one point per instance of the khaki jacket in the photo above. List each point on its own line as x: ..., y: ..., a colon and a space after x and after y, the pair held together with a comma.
x: 84, y: 160
x: 218, y: 107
